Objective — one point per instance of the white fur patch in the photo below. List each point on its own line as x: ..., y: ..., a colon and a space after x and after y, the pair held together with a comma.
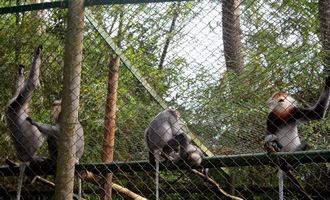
x: 288, y: 137
x: 282, y: 106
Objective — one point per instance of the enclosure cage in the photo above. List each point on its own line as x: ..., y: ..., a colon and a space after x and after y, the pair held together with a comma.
x: 116, y: 64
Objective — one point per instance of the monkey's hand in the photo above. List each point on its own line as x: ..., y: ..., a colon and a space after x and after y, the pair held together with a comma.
x: 271, y: 144
x: 38, y: 50
x: 21, y: 69
x: 271, y: 147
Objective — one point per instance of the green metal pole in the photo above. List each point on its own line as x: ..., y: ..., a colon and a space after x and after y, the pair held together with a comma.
x: 64, y: 4
x: 243, y: 160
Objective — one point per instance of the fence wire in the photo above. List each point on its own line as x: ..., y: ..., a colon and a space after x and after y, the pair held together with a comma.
x: 172, y: 54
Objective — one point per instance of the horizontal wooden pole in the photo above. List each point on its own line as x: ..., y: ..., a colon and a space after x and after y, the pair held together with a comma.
x: 64, y: 4
x: 243, y: 160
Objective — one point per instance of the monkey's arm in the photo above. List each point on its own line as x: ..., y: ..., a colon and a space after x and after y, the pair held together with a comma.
x: 25, y: 92
x: 318, y: 111
x: 272, y: 144
x: 271, y: 140
x: 45, y: 129
x: 175, y: 143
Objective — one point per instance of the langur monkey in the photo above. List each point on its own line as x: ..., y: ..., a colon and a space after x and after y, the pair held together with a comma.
x: 164, y: 127
x: 52, y: 131
x: 27, y: 139
x: 180, y: 150
x: 166, y: 140
x: 281, y: 128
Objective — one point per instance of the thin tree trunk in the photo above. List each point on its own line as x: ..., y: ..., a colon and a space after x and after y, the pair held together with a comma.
x: 110, y: 114
x: 232, y: 35
x: 70, y: 101
x: 169, y: 34
x: 120, y: 27
x: 324, y: 12
x: 110, y: 125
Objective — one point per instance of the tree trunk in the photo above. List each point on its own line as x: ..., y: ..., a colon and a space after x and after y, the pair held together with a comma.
x: 175, y: 8
x: 231, y: 33
x: 324, y: 12
x: 70, y: 101
x: 110, y: 124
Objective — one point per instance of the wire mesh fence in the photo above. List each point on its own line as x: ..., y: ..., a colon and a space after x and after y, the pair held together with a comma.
x: 215, y: 63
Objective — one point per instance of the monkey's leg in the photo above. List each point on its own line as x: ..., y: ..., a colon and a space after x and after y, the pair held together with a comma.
x: 20, y: 80
x: 302, y: 147
x: 20, y: 180
x: 172, y: 145
x: 151, y: 158
x: 175, y: 143
x: 205, y: 171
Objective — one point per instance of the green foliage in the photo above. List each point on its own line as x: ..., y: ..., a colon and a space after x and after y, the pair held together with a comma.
x: 281, y: 51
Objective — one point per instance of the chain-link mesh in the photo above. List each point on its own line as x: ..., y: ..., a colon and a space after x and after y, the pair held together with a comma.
x: 216, y: 62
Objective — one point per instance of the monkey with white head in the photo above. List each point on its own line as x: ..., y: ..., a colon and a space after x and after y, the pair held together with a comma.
x: 281, y: 133
x: 281, y: 128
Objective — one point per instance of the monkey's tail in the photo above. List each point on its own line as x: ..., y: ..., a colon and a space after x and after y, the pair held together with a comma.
x: 157, y: 175
x: 20, y: 180
x: 296, y: 182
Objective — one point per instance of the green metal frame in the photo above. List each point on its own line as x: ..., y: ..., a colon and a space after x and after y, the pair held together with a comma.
x: 243, y: 160
x: 258, y: 159
x: 64, y: 4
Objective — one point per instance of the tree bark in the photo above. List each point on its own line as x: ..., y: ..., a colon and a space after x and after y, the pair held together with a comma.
x: 324, y: 13
x: 70, y: 101
x: 110, y: 124
x: 231, y: 33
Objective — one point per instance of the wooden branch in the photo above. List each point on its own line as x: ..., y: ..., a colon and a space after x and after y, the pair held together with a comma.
x: 11, y: 163
x: 50, y: 184
x: 42, y: 180
x: 97, y: 180
x: 127, y: 192
x: 214, y: 183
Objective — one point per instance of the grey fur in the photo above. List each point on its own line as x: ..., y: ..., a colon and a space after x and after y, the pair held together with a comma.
x: 27, y: 138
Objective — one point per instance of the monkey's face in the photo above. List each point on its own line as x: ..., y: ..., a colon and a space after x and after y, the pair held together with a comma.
x: 56, y: 109
x: 174, y: 112
x: 281, y: 102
